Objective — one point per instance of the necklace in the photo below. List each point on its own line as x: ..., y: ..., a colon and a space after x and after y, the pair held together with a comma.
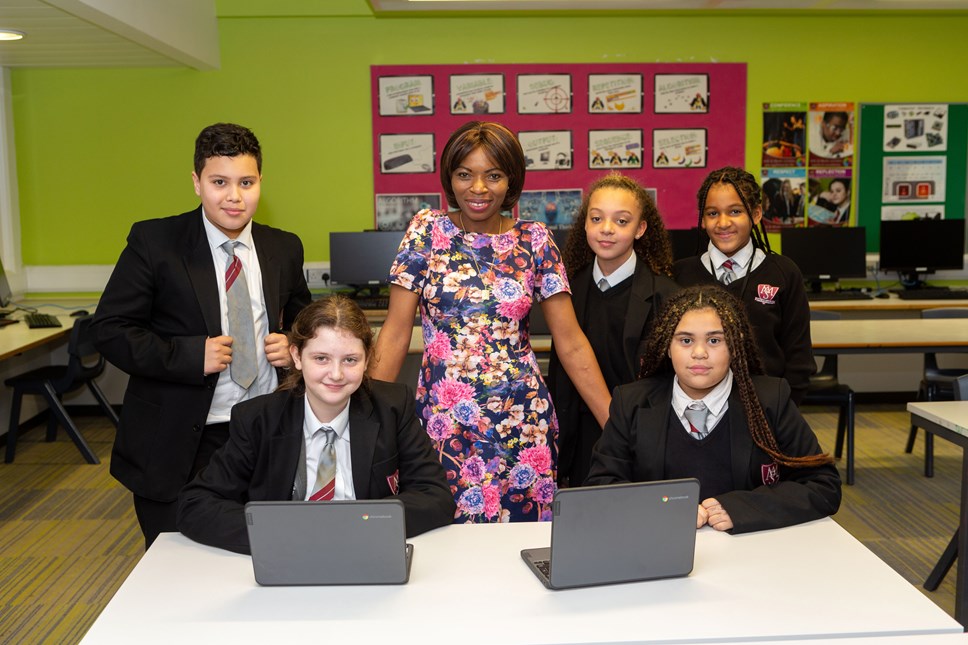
x: 500, y: 231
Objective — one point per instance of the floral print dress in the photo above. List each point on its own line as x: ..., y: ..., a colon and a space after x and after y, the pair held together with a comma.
x: 480, y: 392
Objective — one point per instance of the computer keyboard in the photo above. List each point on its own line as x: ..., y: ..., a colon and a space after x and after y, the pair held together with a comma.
x: 838, y: 295
x: 544, y: 566
x: 373, y: 302
x: 937, y: 293
x: 41, y: 320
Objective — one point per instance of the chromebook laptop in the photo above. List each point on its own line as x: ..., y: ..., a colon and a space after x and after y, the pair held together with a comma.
x: 620, y: 533
x: 360, y: 542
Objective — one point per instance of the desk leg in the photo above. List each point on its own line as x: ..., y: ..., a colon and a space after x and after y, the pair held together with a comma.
x: 961, y: 597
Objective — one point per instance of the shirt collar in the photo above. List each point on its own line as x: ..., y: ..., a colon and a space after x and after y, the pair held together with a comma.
x: 741, y: 258
x: 715, y: 401
x: 618, y: 275
x: 217, y: 238
x: 340, y: 423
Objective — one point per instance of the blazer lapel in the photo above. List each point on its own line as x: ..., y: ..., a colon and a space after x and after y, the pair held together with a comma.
x: 364, y: 429
x: 288, y: 471
x: 201, y: 272
x: 640, y: 306
x: 270, y: 276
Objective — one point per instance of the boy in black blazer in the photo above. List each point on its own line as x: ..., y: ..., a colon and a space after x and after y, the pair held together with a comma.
x: 164, y: 319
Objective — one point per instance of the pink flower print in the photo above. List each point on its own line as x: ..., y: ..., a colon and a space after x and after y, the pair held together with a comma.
x: 439, y: 240
x: 439, y: 347
x: 449, y: 392
x: 543, y: 491
x: 553, y: 283
x: 516, y: 309
x: 539, y: 237
x: 472, y: 471
x: 492, y: 501
x: 471, y: 501
x: 521, y: 476
x: 538, y: 457
x: 503, y: 243
x: 440, y: 426
x: 507, y: 290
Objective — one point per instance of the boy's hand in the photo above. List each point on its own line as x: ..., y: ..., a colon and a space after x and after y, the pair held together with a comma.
x: 218, y: 354
x: 716, y: 515
x: 277, y: 350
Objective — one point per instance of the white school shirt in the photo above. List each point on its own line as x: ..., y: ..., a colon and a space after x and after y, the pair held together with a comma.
x: 717, y: 402
x: 314, y: 447
x: 616, y: 276
x: 741, y: 260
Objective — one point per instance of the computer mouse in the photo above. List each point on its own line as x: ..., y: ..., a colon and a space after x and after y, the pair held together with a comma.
x: 80, y: 312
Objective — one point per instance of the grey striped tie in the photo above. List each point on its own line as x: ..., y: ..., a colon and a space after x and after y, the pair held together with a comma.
x: 241, y: 326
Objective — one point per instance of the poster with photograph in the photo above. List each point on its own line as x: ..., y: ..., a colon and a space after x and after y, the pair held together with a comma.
x: 544, y: 93
x: 916, y: 127
x: 547, y: 150
x: 914, y: 179
x: 556, y: 208
x: 394, y: 212
x: 913, y: 211
x: 614, y: 93
x: 406, y: 95
x: 681, y: 93
x: 477, y: 94
x: 614, y: 148
x: 406, y: 153
x: 830, y: 196
x: 831, y: 135
x: 784, y: 135
x: 679, y: 148
x: 784, y: 197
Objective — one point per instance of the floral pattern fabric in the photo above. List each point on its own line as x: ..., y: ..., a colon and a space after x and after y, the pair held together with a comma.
x: 480, y: 392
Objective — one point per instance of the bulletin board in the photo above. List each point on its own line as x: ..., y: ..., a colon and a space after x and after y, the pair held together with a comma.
x: 665, y: 124
x: 913, y: 162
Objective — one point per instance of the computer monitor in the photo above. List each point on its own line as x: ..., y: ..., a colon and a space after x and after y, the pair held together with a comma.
x: 363, y: 259
x: 826, y: 253
x: 687, y: 242
x: 6, y: 295
x: 915, y: 246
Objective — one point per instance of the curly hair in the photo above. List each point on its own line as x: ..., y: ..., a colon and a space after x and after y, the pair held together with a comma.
x: 744, y: 359
x: 337, y: 312
x: 749, y: 193
x: 225, y: 140
x: 653, y: 247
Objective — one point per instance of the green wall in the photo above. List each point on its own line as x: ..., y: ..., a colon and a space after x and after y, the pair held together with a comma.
x: 100, y: 149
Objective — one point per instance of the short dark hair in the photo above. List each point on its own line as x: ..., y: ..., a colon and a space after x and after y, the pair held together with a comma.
x: 829, y: 115
x: 501, y: 147
x: 225, y: 140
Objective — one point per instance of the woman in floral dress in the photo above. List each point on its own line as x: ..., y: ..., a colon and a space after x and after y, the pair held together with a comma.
x: 475, y: 275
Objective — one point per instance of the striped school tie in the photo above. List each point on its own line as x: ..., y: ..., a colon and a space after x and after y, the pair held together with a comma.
x: 325, y: 486
x: 728, y: 274
x: 241, y: 326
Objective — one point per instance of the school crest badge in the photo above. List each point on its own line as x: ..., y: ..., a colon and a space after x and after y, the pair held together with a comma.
x: 770, y: 473
x: 766, y: 294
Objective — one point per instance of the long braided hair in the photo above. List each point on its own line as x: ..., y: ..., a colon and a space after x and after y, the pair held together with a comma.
x: 749, y: 193
x: 653, y: 248
x: 744, y: 359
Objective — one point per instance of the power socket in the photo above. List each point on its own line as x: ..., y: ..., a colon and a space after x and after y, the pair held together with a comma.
x: 317, y: 275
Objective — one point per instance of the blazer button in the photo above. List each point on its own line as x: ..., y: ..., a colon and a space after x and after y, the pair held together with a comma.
x: 196, y: 428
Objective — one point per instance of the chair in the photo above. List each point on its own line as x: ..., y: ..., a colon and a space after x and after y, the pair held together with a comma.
x: 960, y: 390
x: 826, y: 389
x: 936, y: 384
x: 52, y: 382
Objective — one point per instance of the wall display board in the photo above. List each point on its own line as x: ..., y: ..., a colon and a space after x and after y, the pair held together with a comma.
x: 664, y: 124
x: 913, y: 163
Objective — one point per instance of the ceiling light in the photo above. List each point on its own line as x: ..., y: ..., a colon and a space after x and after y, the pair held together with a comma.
x: 11, y: 34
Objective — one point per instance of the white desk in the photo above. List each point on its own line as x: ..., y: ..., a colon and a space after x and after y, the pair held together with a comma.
x: 949, y: 420
x: 469, y: 585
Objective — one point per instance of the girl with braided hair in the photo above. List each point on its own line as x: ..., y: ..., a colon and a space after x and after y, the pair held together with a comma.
x: 704, y: 409
x: 769, y: 285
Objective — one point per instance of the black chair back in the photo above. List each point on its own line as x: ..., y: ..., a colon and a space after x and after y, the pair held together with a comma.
x: 80, y: 354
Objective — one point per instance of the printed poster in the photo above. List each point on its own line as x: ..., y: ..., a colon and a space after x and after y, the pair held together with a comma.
x: 614, y: 148
x: 679, y: 148
x: 614, y: 93
x: 547, y: 150
x: 394, y: 212
x: 914, y: 179
x: 830, y: 196
x: 831, y: 134
x: 544, y: 93
x: 477, y: 94
x: 785, y: 197
x: 406, y: 95
x: 916, y: 127
x: 784, y: 135
x: 913, y: 211
x: 406, y: 153
x: 681, y: 93
x: 556, y: 208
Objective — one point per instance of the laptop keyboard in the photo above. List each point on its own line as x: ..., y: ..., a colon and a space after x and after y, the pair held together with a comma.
x: 544, y: 566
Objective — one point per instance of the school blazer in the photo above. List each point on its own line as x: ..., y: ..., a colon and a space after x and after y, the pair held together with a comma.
x: 633, y: 445
x: 389, y: 449
x: 158, y: 308
x: 649, y: 291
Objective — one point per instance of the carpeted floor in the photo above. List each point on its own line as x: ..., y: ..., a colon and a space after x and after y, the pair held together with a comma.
x: 68, y: 535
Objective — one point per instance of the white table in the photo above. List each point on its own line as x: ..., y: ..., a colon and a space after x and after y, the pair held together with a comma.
x: 469, y: 585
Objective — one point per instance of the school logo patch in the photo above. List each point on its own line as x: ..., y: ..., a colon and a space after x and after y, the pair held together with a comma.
x: 394, y: 482
x: 766, y: 294
x: 770, y: 474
